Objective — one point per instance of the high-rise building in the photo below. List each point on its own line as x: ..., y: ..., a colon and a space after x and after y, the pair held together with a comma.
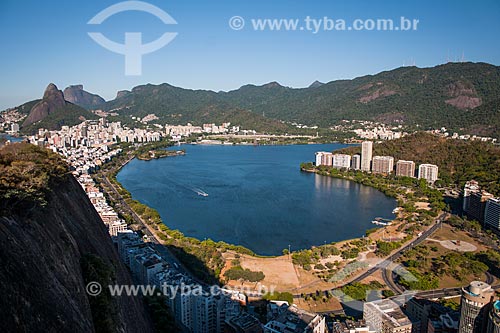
x: 477, y: 205
x: 492, y: 214
x: 428, y: 172
x: 356, y: 162
x: 205, y: 313
x: 470, y: 187
x: 366, y: 155
x: 494, y: 318
x: 405, y: 168
x: 475, y: 201
x: 341, y: 161
x: 382, y: 164
x: 324, y: 158
x: 14, y: 128
x: 476, y: 302
x: 386, y: 316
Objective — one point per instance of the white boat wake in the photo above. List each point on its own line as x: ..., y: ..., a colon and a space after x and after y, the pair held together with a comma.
x: 200, y: 192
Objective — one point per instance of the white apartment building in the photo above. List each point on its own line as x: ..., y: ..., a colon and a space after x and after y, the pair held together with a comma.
x: 428, y: 172
x: 366, y: 155
x: 324, y: 158
x: 382, y: 164
x: 385, y: 316
x: 341, y: 161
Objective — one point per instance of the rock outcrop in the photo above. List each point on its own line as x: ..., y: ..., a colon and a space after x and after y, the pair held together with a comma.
x: 46, y: 252
x: 53, y: 100
x: 76, y: 95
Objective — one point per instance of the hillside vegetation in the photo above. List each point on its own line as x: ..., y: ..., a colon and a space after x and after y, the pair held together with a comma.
x: 459, y: 96
x: 26, y: 174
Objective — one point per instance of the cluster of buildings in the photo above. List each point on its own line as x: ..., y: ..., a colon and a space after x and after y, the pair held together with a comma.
x: 195, y: 308
x: 466, y: 137
x: 481, y: 206
x: 198, y: 308
x: 9, y: 120
x: 379, y: 132
x: 179, y: 131
x: 93, y: 133
x: 377, y: 164
x: 479, y: 313
x: 109, y: 217
x: 370, y: 130
x: 85, y: 147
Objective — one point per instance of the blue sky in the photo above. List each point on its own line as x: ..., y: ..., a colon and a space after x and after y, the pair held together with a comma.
x: 47, y: 41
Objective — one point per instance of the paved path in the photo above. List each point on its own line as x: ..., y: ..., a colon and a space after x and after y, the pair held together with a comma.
x: 453, y: 245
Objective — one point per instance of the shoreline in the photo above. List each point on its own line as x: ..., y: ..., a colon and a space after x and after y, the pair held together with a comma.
x: 309, y: 279
x: 255, y: 254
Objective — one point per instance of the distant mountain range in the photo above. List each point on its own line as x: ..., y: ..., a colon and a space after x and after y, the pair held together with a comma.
x: 459, y: 96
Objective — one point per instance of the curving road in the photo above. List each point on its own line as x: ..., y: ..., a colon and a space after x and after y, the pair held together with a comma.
x: 384, y: 264
x: 146, y: 229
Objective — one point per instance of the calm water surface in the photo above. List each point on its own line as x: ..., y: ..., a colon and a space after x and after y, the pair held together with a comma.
x: 256, y: 196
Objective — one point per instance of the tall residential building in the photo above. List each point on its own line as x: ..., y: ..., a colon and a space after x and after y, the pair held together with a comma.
x: 470, y: 187
x: 356, y: 162
x: 428, y: 172
x: 382, y: 164
x: 476, y: 302
x: 366, y: 155
x: 386, y: 316
x: 494, y: 318
x: 475, y: 200
x: 477, y: 205
x: 492, y: 214
x: 405, y: 168
x: 183, y: 309
x: 324, y: 158
x: 341, y: 161
x: 295, y: 320
x: 205, y: 313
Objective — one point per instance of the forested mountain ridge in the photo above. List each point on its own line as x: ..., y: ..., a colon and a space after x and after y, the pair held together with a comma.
x: 455, y: 95
x: 462, y: 97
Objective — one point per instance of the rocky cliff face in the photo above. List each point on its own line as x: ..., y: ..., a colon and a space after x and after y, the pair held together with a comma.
x: 53, y: 99
x: 47, y: 251
x: 76, y: 95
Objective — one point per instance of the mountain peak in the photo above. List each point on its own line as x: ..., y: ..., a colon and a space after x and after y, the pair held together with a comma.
x: 76, y: 95
x: 53, y: 99
x: 273, y: 84
x: 51, y: 90
x: 316, y: 84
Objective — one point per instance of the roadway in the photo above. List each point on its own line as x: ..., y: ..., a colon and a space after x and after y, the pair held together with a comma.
x: 389, y: 259
x: 384, y: 264
x: 146, y: 229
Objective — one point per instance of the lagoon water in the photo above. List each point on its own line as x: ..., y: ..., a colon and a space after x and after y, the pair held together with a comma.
x: 256, y: 196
